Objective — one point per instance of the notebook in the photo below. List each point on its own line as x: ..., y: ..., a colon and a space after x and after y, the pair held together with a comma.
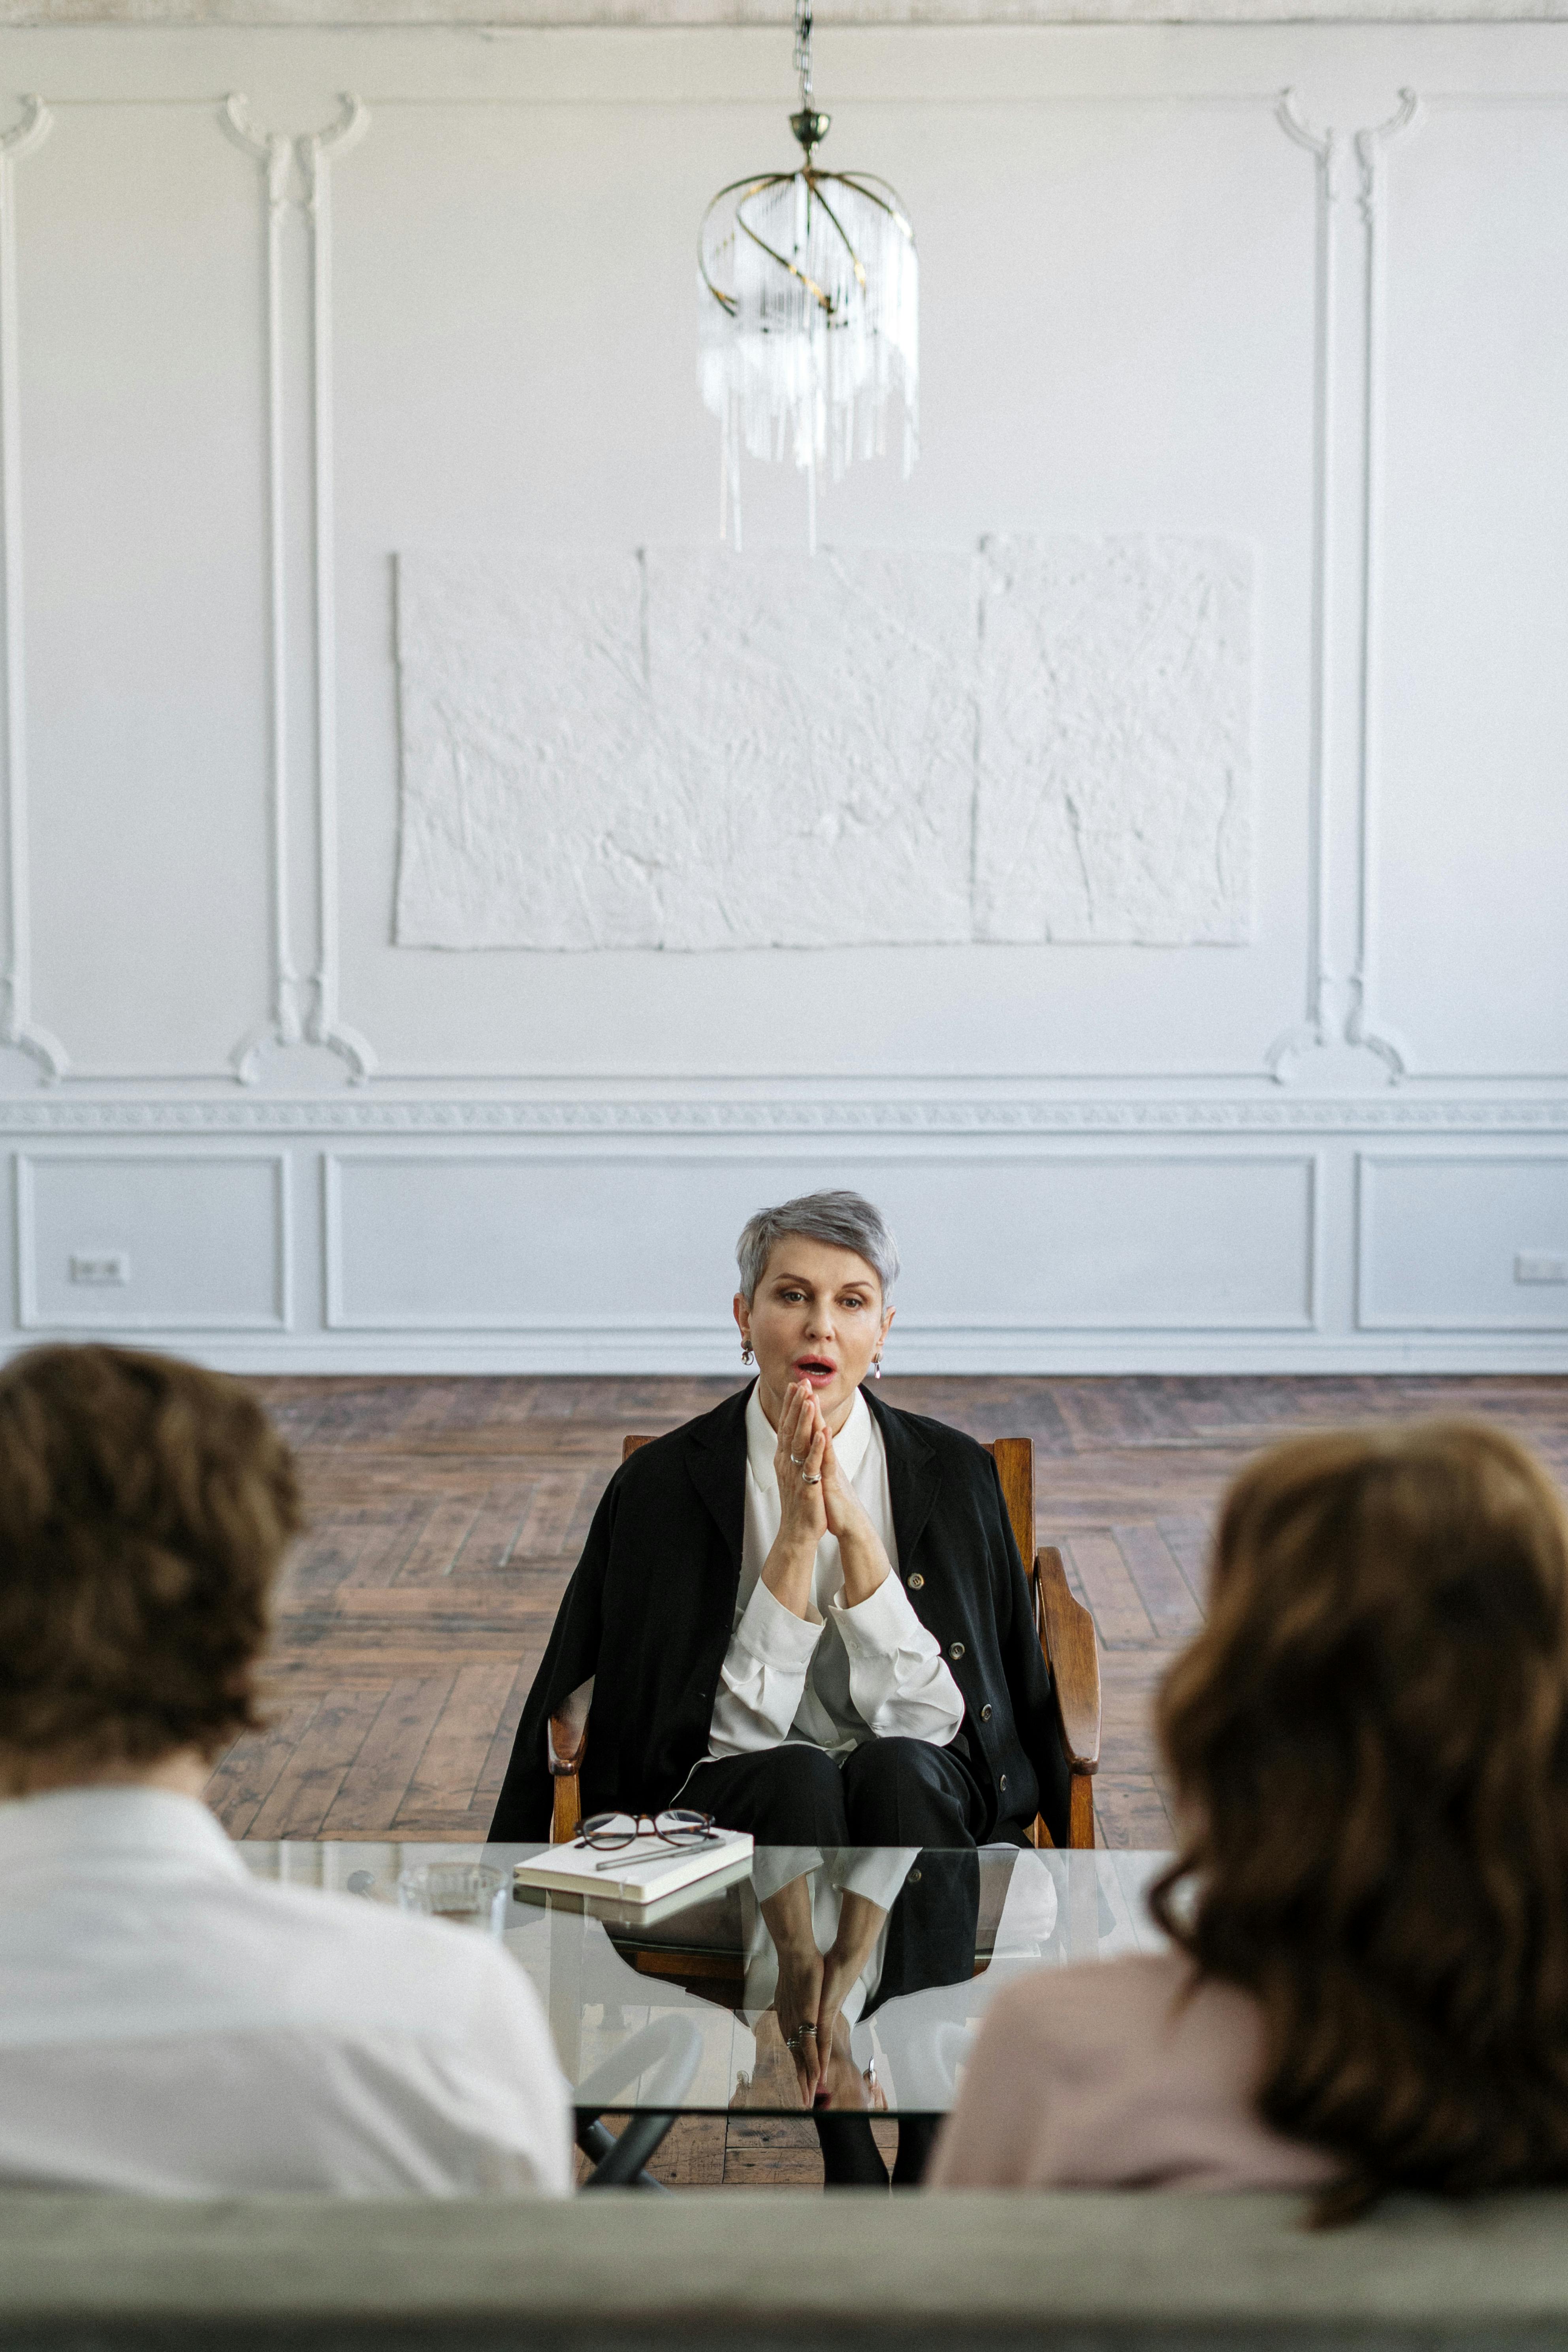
x: 642, y: 1872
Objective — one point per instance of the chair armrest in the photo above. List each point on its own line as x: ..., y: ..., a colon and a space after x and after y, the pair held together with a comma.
x: 568, y: 1742
x: 1072, y: 1653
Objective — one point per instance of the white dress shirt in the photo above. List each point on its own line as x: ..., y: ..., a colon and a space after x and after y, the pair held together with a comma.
x: 839, y: 1674
x: 170, y: 2027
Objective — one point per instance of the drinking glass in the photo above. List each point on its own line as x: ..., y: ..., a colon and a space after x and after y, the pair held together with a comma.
x: 469, y: 1892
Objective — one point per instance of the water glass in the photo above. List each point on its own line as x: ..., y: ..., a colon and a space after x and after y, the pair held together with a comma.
x: 470, y: 1894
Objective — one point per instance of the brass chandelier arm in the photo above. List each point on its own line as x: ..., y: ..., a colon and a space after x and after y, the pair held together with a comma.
x: 858, y: 266
x: 750, y: 188
x: 866, y: 185
x: 762, y: 245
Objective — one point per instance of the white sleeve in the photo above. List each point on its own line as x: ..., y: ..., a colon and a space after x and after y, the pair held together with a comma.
x: 877, y: 1872
x: 762, y: 1679
x: 898, y: 1676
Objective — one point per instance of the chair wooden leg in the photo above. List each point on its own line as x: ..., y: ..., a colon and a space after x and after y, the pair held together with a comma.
x: 1080, y: 1809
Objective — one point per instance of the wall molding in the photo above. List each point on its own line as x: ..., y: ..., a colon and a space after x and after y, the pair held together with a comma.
x: 296, y: 175
x: 17, y: 1026
x: 104, y: 1317
x: 1339, y: 1009
x: 933, y: 1328
x: 1325, y: 148
x: 1367, y: 1166
x: 339, y: 1115
x: 1371, y: 147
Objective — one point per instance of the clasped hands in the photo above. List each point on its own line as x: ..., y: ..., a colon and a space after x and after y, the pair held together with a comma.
x: 817, y: 1499
x: 813, y: 1988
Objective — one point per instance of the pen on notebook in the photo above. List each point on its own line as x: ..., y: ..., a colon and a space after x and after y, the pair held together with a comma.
x: 647, y: 1861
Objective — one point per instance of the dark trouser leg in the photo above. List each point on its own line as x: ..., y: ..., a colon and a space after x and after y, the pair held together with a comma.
x: 917, y: 2138
x: 785, y: 1796
x: 850, y: 2156
x: 906, y: 1792
x: 793, y: 1796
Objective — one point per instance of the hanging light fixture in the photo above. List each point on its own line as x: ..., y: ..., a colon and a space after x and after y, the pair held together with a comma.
x: 809, y: 290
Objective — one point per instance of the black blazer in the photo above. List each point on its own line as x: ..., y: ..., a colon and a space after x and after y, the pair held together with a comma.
x: 651, y: 1607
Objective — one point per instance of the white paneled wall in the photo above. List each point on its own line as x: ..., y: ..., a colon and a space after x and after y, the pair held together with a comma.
x: 279, y: 306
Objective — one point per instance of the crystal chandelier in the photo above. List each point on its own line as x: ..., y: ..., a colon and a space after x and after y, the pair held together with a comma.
x: 809, y: 289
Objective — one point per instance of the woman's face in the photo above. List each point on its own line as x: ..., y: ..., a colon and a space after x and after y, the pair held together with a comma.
x: 817, y: 1316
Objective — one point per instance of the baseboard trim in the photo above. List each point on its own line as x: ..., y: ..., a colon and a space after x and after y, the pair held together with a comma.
x: 602, y: 1354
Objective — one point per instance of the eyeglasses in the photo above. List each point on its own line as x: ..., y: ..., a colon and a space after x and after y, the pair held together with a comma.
x: 609, y: 1831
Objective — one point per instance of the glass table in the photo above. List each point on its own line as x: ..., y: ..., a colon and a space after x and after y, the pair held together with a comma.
x: 670, y: 2010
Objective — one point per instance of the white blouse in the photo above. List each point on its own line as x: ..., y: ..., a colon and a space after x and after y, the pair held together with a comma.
x: 837, y: 1675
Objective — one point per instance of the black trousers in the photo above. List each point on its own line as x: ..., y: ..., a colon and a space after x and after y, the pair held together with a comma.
x: 887, y: 1792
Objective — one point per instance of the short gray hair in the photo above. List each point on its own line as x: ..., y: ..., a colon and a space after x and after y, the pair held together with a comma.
x: 843, y: 1219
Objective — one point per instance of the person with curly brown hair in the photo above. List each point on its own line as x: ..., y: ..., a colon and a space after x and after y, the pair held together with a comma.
x: 1367, y: 1988
x: 168, y: 2024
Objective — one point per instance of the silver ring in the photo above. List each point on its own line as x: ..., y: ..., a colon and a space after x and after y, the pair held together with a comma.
x: 798, y: 1460
x: 811, y: 1478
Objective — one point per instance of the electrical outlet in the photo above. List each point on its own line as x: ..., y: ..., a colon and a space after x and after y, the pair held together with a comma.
x: 106, y: 1269
x: 1539, y: 1265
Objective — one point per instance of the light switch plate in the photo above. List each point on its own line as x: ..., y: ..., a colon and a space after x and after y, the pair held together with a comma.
x: 1540, y: 1266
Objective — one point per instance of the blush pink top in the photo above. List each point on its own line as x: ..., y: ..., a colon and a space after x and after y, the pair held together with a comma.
x: 1099, y: 2077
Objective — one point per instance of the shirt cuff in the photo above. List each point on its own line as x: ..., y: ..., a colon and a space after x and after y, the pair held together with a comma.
x: 883, y: 1625
x: 877, y: 1872
x: 774, y: 1635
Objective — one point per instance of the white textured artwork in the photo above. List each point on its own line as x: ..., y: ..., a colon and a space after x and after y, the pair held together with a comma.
x: 1114, y: 689
x: 696, y: 750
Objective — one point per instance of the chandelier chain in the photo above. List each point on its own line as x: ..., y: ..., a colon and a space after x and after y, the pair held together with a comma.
x: 803, y: 49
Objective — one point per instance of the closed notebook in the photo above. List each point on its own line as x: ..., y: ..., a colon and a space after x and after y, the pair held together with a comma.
x: 644, y: 1870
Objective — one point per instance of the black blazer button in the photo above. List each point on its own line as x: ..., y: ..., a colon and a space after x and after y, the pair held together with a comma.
x: 986, y: 1715
x: 956, y: 1651
x: 1003, y: 1782
x: 917, y: 1584
x: 913, y: 1879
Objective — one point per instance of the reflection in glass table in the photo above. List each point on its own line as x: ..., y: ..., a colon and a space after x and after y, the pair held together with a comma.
x: 669, y: 2010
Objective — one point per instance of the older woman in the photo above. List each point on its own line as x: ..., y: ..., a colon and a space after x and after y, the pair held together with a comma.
x: 1368, y: 1988
x: 805, y: 1611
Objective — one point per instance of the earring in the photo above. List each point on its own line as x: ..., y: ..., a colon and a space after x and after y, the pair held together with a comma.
x: 746, y: 1355
x: 876, y: 1368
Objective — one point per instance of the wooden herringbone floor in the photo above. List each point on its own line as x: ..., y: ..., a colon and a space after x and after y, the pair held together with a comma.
x: 446, y: 1515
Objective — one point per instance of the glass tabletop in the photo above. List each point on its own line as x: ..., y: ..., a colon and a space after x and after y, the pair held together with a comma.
x: 673, y: 2008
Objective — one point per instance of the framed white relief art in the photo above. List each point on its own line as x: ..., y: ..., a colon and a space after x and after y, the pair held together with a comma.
x: 683, y: 749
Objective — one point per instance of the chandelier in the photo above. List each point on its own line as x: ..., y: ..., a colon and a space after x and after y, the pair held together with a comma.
x: 809, y: 295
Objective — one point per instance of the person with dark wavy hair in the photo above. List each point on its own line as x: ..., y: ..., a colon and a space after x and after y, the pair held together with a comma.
x: 1367, y: 1988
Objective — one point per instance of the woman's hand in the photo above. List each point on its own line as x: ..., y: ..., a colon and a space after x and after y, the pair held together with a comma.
x: 796, y: 2003
x: 843, y: 2081
x: 860, y: 1922
x: 786, y: 1914
x: 865, y: 1560
x: 803, y: 1520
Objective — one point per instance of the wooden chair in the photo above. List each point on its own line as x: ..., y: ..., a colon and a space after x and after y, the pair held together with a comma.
x: 1066, y: 1636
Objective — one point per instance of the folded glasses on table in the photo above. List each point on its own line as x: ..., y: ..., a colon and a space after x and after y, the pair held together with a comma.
x: 608, y: 1831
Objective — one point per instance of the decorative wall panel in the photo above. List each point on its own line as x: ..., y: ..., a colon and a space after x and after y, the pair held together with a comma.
x: 697, y: 751
x: 152, y: 1241
x: 1174, y: 1242
x: 1461, y: 1241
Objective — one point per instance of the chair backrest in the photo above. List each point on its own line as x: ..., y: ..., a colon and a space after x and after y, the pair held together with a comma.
x: 1015, y: 1460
